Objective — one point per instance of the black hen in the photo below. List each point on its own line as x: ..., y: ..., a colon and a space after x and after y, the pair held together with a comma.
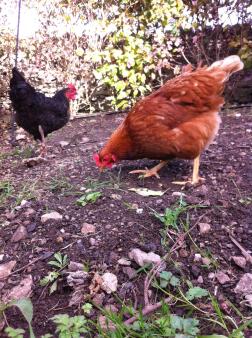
x: 37, y: 114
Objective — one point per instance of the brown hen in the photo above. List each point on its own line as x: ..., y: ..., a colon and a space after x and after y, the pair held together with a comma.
x: 179, y: 120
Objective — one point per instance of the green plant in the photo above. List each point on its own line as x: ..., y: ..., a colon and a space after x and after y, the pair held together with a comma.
x: 70, y: 327
x: 137, y: 49
x: 14, y: 333
x: 59, y: 262
x: 167, y: 278
x: 6, y: 191
x: 89, y: 197
x: 26, y: 308
x: 60, y: 184
x: 86, y: 308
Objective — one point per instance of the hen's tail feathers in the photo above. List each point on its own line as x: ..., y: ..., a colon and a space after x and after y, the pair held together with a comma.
x: 228, y: 66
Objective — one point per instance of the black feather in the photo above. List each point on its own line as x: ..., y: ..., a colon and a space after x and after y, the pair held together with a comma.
x: 33, y: 108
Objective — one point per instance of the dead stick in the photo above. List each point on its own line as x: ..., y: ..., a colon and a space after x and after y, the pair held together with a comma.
x: 147, y: 310
x: 243, y: 251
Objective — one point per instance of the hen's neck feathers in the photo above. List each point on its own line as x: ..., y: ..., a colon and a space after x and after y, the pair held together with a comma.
x: 119, y: 144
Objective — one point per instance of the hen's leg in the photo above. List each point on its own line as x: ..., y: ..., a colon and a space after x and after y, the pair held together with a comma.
x: 195, y: 177
x: 43, y: 149
x: 150, y: 172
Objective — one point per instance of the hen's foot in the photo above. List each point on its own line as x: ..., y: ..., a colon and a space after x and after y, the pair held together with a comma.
x: 146, y: 173
x: 150, y: 172
x: 197, y: 181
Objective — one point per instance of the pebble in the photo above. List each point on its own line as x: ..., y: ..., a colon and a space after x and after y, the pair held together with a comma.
x: 92, y: 241
x: 54, y: 215
x: 19, y: 234
x: 222, y: 277
x: 87, y: 228
x: 142, y: 258
x: 6, y: 268
x: 240, y: 261
x: 197, y: 258
x: 244, y: 286
x: 130, y: 272
x: 98, y: 299
x: 109, y: 282
x: 204, y: 228
x: 200, y: 280
x: 206, y: 261
x: 124, y: 261
x: 31, y: 227
x: 183, y: 253
x: 63, y: 144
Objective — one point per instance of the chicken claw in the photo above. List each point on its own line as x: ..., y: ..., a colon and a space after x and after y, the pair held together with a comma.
x: 146, y: 173
x: 195, y: 178
x: 150, y: 172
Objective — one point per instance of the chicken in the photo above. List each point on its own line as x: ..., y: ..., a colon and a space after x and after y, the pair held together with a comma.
x: 179, y: 120
x: 37, y: 114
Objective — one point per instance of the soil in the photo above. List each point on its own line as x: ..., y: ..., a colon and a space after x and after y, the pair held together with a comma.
x: 122, y: 218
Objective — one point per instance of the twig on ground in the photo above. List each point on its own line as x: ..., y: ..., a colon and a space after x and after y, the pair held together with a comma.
x: 243, y: 251
x: 147, y: 310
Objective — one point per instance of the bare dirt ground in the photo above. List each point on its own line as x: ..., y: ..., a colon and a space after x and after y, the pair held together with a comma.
x: 123, y: 219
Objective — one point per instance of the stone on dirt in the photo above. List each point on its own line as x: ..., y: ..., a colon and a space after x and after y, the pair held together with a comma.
x: 51, y: 216
x: 109, y: 282
x: 142, y: 258
x: 6, y: 268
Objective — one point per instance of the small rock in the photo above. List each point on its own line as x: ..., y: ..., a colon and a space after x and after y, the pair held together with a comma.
x: 249, y: 299
x: 201, y: 191
x: 1, y: 257
x: 211, y: 275
x: 84, y: 140
x: 29, y: 212
x: 31, y: 227
x: 19, y: 234
x: 76, y: 278
x: 76, y: 298
x: 116, y: 197
x: 195, y: 271
x: 10, y: 215
x: 240, y: 261
x: 204, y: 228
x: 75, y: 266
x: 200, y: 280
x: 244, y: 285
x: 98, y: 299
x: 5, y: 269
x: 92, y: 241
x: 111, y: 308
x: 124, y: 261
x: 206, y: 261
x: 178, y: 194
x: 197, y: 258
x: 87, y: 228
x: 23, y: 203
x: 59, y: 239
x: 142, y: 258
x: 51, y: 216
x: 63, y: 144
x: 222, y: 277
x: 109, y: 282
x: 106, y: 324
x: 20, y: 137
x: 183, y: 253
x: 130, y: 272
x: 22, y: 290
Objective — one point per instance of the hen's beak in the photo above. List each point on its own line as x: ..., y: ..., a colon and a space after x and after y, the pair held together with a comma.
x: 101, y: 169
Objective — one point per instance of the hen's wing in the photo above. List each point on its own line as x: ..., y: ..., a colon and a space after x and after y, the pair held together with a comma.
x: 176, y: 120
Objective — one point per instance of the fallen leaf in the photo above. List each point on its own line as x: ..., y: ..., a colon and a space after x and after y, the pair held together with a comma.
x: 146, y: 192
